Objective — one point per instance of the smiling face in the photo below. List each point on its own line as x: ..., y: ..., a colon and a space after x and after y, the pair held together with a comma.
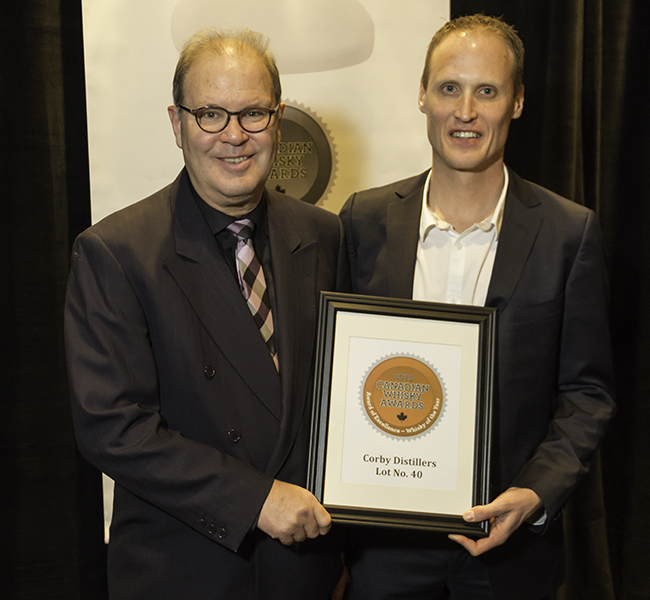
x: 469, y: 102
x: 228, y: 169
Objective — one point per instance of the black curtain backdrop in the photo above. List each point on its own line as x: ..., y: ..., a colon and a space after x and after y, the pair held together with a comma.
x: 583, y: 134
x: 51, y: 525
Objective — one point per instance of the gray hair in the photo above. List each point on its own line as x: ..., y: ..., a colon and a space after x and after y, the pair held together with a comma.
x: 217, y: 42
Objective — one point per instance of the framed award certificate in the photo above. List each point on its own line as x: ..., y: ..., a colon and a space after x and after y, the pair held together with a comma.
x: 402, y: 412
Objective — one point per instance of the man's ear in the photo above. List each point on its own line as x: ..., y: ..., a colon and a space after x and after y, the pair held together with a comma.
x: 421, y: 95
x: 279, y: 117
x: 172, y: 111
x: 519, y: 103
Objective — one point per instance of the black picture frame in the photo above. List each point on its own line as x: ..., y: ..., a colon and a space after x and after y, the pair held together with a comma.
x: 447, y: 347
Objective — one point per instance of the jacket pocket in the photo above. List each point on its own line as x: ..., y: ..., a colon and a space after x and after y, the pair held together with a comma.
x: 536, y: 312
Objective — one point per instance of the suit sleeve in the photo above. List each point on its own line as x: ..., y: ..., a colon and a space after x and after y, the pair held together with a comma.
x: 584, y: 401
x: 116, y: 408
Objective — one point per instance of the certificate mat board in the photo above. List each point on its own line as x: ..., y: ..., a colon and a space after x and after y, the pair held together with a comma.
x: 401, y: 423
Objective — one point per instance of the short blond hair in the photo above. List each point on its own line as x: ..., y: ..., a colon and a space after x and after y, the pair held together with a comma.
x: 484, y: 24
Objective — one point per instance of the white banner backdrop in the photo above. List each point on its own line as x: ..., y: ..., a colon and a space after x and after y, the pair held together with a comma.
x: 353, y: 64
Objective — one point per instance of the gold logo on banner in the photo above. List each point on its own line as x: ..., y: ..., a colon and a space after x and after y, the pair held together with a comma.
x: 403, y: 396
x: 305, y: 164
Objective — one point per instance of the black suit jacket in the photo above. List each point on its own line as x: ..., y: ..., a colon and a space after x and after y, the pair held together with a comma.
x: 176, y: 397
x: 554, y: 390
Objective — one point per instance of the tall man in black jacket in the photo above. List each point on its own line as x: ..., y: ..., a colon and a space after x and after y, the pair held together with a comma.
x: 471, y: 231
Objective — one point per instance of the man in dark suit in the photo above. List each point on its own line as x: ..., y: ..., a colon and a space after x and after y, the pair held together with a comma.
x: 190, y: 373
x: 470, y: 231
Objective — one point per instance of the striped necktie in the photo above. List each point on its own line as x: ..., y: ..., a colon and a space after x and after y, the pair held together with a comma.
x: 252, y: 282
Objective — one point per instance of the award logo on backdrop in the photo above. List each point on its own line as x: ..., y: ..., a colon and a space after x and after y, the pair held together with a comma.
x: 305, y: 165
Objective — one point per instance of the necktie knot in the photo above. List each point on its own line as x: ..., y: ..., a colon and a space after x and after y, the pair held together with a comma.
x: 242, y: 228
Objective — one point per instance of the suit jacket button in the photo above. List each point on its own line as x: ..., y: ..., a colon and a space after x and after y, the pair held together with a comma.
x: 212, y: 529
x: 222, y: 533
x: 209, y: 371
x: 234, y: 435
x: 202, y: 522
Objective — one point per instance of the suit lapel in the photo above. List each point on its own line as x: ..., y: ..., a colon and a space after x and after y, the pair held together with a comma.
x: 518, y: 233
x: 295, y: 314
x: 402, y: 230
x: 202, y: 273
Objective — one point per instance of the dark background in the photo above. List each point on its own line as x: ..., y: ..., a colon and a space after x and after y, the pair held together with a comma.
x: 584, y: 133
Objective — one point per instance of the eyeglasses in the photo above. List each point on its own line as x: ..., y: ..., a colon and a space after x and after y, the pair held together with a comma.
x: 213, y: 119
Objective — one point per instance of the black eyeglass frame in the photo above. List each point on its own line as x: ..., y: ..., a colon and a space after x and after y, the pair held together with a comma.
x: 195, y: 112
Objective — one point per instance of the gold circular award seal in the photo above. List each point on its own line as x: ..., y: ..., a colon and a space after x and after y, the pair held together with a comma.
x: 402, y: 396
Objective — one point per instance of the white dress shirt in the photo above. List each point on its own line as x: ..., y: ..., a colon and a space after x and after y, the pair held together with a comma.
x: 456, y: 267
